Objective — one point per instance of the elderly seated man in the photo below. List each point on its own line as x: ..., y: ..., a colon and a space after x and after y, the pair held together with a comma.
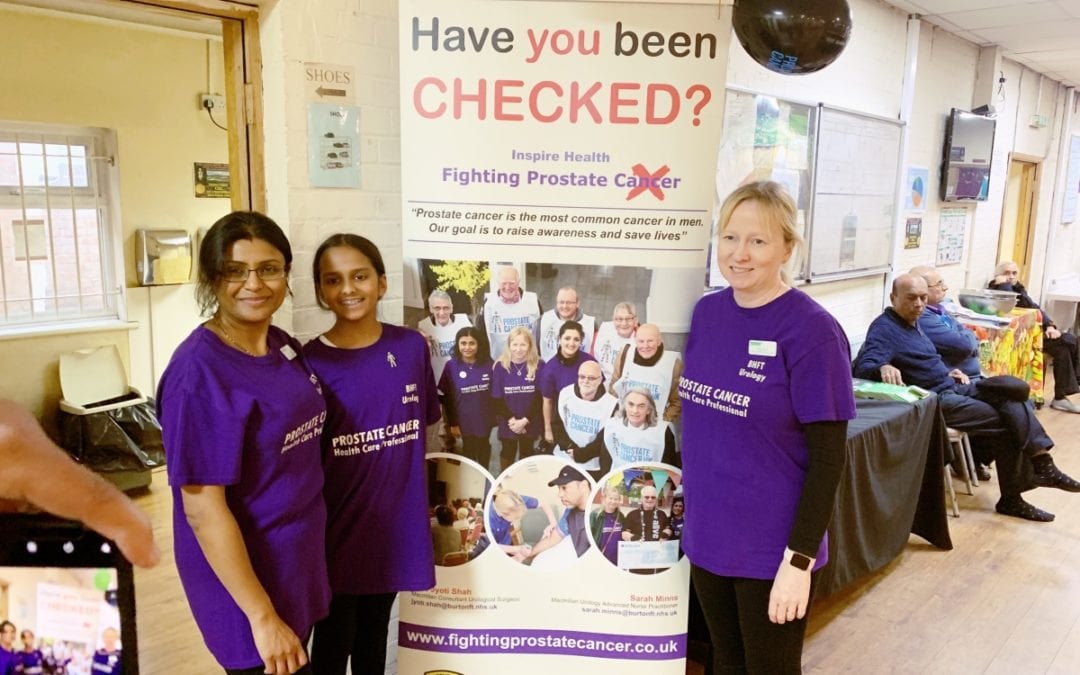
x: 1061, y: 347
x: 956, y: 343
x: 896, y: 351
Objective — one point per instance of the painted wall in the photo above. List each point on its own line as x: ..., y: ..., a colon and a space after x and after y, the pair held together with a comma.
x: 144, y: 84
x: 868, y: 77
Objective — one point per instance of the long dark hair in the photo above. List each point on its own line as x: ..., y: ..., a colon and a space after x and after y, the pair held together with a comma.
x: 483, y: 351
x: 354, y: 241
x: 228, y: 230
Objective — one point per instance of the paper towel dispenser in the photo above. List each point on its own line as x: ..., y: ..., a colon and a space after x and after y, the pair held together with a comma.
x: 163, y: 257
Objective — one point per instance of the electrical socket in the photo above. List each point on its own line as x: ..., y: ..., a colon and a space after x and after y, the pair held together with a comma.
x: 211, y: 102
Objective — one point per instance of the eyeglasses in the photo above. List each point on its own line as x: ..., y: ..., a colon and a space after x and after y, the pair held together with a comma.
x: 587, y: 378
x: 234, y: 272
x: 649, y: 498
x: 940, y: 284
x: 624, y: 319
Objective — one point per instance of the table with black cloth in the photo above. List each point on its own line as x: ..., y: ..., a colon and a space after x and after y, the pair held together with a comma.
x: 893, y: 486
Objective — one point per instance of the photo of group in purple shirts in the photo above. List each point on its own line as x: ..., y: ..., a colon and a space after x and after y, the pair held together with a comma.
x: 555, y: 381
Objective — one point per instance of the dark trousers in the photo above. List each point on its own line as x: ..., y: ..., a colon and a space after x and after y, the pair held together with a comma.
x: 743, y: 639
x: 1006, y: 431
x: 1066, y: 363
x: 518, y: 447
x: 259, y: 670
x: 356, y: 627
x: 477, y: 448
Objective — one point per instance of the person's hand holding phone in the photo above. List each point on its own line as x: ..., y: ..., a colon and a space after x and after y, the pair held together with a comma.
x: 71, y: 491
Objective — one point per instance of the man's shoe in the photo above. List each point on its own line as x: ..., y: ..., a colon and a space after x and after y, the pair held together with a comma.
x: 1018, y: 508
x: 1053, y: 477
x: 1064, y: 405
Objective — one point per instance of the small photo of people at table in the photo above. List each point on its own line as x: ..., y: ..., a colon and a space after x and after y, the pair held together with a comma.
x: 536, y: 513
x: 60, y: 621
x: 636, y: 518
x: 457, y: 489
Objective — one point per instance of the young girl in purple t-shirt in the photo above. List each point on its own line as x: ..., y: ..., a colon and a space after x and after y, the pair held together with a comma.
x: 381, y: 398
x: 516, y: 391
x: 466, y: 390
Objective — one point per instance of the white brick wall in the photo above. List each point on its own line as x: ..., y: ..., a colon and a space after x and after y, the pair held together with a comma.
x: 362, y: 35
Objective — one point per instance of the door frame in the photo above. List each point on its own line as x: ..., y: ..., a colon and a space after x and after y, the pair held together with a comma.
x: 1029, y: 204
x: 243, y: 91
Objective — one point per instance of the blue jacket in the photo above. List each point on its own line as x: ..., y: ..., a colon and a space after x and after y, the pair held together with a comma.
x: 891, y: 340
x: 957, y: 344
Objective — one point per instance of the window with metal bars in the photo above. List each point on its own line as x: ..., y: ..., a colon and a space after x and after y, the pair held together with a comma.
x: 60, y: 251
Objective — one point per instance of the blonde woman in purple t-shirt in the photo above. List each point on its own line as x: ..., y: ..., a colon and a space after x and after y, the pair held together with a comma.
x: 766, y: 398
x: 515, y: 391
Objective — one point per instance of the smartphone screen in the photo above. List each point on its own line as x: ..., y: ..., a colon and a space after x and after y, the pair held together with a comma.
x: 68, y: 595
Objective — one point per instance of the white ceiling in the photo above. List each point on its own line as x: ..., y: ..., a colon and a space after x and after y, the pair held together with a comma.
x: 1043, y: 35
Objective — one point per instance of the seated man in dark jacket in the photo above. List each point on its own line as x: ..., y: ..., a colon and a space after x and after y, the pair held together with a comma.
x: 956, y: 343
x: 898, y: 352
x: 1061, y: 347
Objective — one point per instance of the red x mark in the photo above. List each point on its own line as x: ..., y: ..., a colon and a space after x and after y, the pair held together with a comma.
x: 648, y: 181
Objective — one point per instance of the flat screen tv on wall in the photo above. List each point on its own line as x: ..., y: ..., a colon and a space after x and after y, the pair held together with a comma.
x: 965, y: 162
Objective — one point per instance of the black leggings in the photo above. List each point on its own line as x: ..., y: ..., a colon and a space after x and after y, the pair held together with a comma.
x: 357, y: 627
x: 743, y: 639
x: 518, y: 447
x: 477, y: 448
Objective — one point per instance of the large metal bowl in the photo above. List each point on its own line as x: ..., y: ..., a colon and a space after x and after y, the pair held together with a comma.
x: 986, y: 301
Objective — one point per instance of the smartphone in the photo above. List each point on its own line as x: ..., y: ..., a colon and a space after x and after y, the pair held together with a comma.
x: 70, y: 595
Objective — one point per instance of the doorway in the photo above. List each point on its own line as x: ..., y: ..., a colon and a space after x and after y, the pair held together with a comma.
x: 1018, y: 214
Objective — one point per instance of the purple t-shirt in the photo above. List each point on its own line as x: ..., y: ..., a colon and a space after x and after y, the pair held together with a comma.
x: 29, y: 662
x: 7, y: 661
x: 558, y: 375
x: 470, y: 386
x: 380, y: 400
x: 521, y: 394
x: 105, y: 663
x: 753, y: 378
x: 251, y: 424
x: 500, y: 527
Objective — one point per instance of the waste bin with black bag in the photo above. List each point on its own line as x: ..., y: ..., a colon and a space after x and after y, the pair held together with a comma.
x: 105, y: 423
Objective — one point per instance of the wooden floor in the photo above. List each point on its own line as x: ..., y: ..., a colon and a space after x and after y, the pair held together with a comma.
x: 1005, y: 600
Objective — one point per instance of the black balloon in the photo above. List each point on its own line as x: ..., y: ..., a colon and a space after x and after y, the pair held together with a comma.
x: 793, y: 37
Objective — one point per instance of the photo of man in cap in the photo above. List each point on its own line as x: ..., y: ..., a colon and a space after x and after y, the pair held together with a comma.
x: 574, y: 489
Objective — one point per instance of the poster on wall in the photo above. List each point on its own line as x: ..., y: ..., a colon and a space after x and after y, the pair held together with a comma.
x: 952, y: 224
x: 913, y: 233
x: 917, y: 179
x: 557, y: 167
x: 1072, y: 182
x: 333, y: 145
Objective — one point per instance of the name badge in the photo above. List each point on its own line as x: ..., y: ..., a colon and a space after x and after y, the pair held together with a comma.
x: 290, y: 353
x: 762, y: 348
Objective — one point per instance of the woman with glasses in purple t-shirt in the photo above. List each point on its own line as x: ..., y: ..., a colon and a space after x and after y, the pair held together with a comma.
x: 766, y: 398
x: 381, y: 398
x: 240, y: 415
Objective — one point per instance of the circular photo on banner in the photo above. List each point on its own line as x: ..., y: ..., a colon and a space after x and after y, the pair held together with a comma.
x: 536, y: 514
x: 636, y: 518
x: 457, y: 490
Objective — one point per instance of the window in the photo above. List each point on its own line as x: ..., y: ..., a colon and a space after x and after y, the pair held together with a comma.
x: 59, y: 238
